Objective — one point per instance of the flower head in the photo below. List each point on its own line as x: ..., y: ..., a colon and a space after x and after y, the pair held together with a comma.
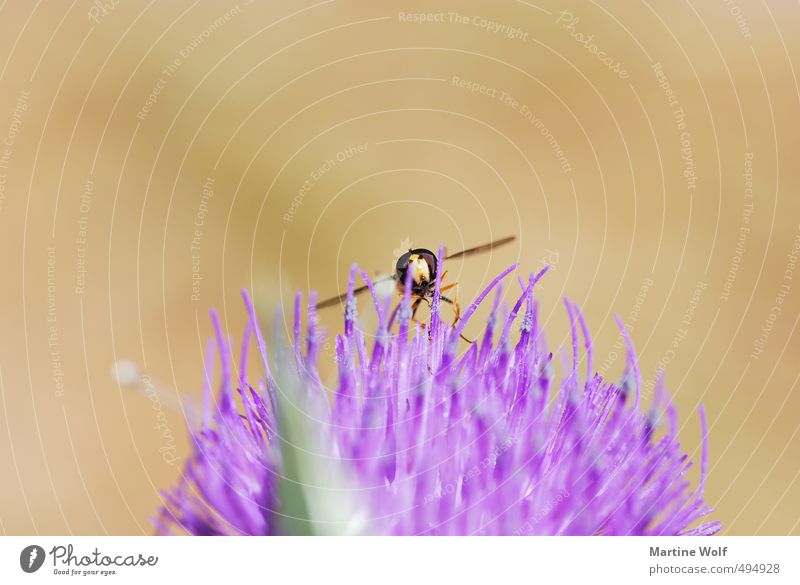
x: 416, y: 438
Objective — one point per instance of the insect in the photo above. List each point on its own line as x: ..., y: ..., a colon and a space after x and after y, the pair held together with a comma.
x: 423, y: 266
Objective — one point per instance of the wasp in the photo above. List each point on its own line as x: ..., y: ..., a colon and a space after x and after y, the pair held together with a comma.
x: 423, y: 265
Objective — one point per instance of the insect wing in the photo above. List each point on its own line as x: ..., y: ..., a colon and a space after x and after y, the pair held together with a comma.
x: 481, y: 249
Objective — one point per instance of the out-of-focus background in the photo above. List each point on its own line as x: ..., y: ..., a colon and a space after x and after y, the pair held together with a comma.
x: 157, y: 157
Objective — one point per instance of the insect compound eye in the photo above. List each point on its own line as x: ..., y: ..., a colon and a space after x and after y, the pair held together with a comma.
x: 402, y: 267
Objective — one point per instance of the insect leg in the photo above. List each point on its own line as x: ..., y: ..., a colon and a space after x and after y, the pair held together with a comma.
x: 457, y: 311
x: 414, y: 308
x: 448, y: 287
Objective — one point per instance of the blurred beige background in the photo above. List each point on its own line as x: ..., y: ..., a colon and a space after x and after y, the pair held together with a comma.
x: 648, y: 152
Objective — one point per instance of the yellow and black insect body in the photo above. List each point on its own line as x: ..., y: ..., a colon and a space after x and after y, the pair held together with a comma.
x: 423, y: 265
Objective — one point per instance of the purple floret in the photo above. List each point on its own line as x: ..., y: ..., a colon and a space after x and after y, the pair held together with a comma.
x: 424, y: 436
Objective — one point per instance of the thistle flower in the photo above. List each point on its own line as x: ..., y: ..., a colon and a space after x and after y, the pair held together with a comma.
x: 417, y: 439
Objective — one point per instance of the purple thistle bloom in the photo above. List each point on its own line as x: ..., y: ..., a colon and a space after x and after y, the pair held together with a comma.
x: 416, y: 439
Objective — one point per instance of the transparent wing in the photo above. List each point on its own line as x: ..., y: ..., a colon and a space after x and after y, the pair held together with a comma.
x: 481, y: 249
x: 356, y: 291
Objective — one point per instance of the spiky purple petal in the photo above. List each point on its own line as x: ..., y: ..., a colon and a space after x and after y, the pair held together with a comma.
x: 428, y: 442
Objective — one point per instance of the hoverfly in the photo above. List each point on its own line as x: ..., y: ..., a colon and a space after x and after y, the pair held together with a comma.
x: 423, y: 266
